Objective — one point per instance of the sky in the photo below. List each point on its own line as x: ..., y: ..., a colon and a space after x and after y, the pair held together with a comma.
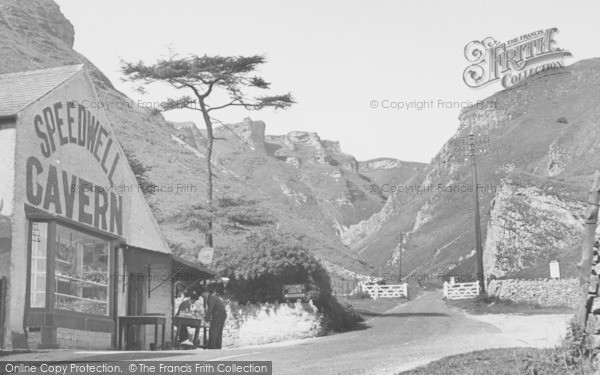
x: 343, y: 61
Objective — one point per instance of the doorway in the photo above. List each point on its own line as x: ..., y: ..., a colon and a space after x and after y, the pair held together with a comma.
x: 135, y: 306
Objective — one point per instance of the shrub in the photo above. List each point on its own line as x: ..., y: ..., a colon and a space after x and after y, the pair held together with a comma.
x: 141, y: 174
x: 360, y: 295
x: 267, y: 261
x: 562, y: 120
x: 233, y: 215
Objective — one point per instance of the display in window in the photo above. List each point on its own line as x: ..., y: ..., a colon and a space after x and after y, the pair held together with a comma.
x: 39, y: 248
x: 81, y: 272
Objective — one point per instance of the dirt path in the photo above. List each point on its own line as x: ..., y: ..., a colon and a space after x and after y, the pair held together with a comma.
x: 410, y: 335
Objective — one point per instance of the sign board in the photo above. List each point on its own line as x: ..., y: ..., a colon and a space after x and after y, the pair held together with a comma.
x: 294, y: 291
x: 205, y: 256
x: 554, y: 270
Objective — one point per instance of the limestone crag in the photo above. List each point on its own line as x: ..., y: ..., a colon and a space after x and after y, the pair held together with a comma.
x: 528, y: 226
x: 377, y: 164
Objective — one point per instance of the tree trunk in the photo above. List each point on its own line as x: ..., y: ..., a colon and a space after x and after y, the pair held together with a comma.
x: 587, y: 249
x: 209, y: 183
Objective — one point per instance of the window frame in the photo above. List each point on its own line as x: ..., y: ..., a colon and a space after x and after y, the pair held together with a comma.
x: 51, y: 270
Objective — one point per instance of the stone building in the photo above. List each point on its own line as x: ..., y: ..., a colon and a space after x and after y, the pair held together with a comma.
x: 79, y: 245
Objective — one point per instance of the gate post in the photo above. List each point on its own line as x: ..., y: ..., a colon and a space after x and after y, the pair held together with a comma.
x: 2, y: 309
x: 445, y: 289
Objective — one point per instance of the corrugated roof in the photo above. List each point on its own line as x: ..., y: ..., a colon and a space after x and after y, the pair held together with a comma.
x: 19, y: 90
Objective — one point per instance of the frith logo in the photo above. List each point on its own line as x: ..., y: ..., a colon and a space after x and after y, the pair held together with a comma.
x: 513, y: 61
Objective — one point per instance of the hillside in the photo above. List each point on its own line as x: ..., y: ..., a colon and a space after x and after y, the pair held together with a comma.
x: 544, y: 143
x: 306, y: 184
x: 536, y: 171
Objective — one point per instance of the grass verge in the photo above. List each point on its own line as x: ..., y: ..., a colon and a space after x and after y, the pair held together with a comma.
x: 368, y: 307
x: 511, y: 361
x: 491, y: 305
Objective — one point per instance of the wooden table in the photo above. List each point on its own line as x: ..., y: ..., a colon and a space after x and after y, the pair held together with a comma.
x: 184, y: 321
x: 124, y: 322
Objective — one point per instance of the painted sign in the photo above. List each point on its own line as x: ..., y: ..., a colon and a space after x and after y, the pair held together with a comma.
x: 205, y: 255
x: 513, y: 61
x: 56, y: 190
x: 294, y: 291
x: 554, y: 269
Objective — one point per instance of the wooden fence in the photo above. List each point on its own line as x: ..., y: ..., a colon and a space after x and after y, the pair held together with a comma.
x: 345, y: 288
x: 461, y: 290
x: 386, y: 291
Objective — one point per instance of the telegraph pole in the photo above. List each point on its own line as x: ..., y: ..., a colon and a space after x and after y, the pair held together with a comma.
x: 478, y: 245
x: 400, y: 262
x: 471, y: 147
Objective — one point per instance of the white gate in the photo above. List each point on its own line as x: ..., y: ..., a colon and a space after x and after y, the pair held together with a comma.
x: 386, y: 291
x: 461, y: 290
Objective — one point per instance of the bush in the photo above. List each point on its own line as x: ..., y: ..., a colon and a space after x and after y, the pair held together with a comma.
x: 360, y: 295
x: 141, y: 174
x: 338, y: 317
x: 267, y: 261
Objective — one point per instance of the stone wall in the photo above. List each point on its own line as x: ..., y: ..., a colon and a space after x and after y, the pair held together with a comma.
x: 73, y: 339
x: 544, y: 292
x: 593, y: 321
x: 248, y: 325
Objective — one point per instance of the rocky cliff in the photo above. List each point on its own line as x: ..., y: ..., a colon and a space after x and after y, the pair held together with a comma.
x: 534, y: 174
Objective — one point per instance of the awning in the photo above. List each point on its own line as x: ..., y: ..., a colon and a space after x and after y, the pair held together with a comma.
x: 184, y: 270
x: 183, y: 267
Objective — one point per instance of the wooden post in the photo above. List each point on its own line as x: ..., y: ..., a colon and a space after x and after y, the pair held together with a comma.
x: 478, y: 245
x: 445, y: 289
x: 400, y: 260
x: 587, y: 249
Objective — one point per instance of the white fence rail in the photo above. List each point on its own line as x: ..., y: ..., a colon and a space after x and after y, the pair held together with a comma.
x: 461, y: 290
x: 386, y: 291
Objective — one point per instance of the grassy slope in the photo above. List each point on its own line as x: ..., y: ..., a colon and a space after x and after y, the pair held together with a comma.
x: 511, y: 361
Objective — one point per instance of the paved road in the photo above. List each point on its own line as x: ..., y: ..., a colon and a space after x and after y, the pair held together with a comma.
x: 405, y: 337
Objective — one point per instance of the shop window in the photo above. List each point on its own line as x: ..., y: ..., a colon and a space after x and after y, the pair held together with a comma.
x: 39, y: 250
x: 81, y: 272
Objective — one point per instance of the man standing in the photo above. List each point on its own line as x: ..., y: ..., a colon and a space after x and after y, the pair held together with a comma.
x: 215, y: 319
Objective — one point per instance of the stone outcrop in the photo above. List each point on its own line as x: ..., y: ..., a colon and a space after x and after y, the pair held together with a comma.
x: 189, y: 132
x: 251, y: 133
x: 378, y: 164
x: 37, y: 18
x: 527, y: 227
